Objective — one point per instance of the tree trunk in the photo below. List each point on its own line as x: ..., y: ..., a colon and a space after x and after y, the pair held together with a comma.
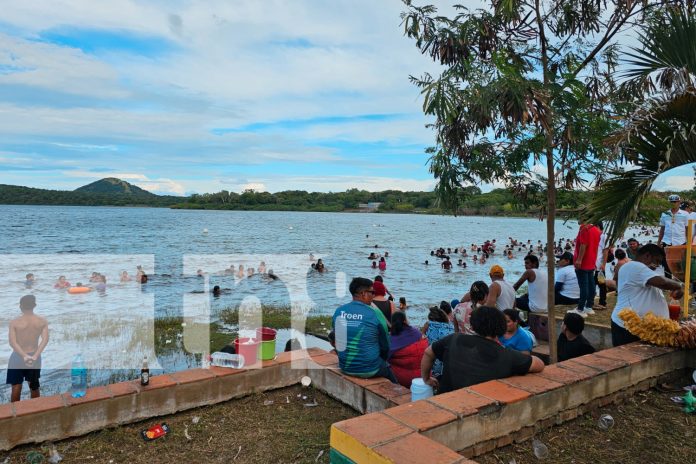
x: 550, y: 255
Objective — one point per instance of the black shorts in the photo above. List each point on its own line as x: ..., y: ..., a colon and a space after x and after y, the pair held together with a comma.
x: 18, y: 372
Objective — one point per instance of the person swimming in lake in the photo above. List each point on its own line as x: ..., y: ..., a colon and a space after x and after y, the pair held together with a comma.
x: 240, y: 272
x: 320, y: 266
x: 250, y: 272
x: 101, y: 284
x: 382, y: 264
x: 374, y: 264
x: 125, y: 277
x: 61, y: 283
x: 262, y: 267
x: 29, y: 282
x: 94, y: 277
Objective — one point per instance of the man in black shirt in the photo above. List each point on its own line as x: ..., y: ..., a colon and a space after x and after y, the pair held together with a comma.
x: 472, y: 359
x: 571, y: 343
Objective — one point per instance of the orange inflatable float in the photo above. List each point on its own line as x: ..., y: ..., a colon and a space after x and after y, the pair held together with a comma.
x: 76, y: 290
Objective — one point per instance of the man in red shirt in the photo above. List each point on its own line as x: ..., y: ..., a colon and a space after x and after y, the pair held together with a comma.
x: 585, y: 258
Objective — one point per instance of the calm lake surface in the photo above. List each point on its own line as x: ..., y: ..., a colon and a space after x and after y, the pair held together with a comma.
x: 114, y: 329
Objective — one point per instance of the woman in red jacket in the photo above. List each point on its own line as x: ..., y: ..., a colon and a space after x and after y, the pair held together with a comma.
x: 406, y: 349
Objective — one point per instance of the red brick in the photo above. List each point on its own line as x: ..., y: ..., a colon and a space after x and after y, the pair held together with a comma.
x: 387, y: 389
x: 156, y: 382
x: 123, y: 388
x: 285, y: 357
x: 38, y: 405
x: 462, y: 402
x: 6, y: 411
x: 602, y: 364
x: 373, y: 429
x: 224, y: 371
x: 565, y: 374
x: 401, y: 399
x: 328, y: 359
x: 421, y: 415
x: 192, y: 375
x: 315, y: 351
x: 621, y: 355
x: 645, y: 350
x: 268, y: 363
x: 364, y: 382
x: 499, y: 391
x: 532, y: 383
x: 93, y: 394
x: 417, y: 449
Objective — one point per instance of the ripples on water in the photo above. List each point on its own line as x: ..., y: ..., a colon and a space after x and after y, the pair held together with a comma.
x: 115, y: 329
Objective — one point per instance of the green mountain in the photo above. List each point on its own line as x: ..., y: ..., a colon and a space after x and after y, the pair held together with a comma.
x: 113, y: 186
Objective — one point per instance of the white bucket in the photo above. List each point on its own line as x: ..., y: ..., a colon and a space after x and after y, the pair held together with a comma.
x: 420, y: 390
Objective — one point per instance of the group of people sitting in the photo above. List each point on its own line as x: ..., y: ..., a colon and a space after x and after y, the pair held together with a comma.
x: 461, y: 344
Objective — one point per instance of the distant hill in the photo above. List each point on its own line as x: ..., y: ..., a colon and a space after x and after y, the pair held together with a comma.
x: 105, y: 192
x: 113, y: 186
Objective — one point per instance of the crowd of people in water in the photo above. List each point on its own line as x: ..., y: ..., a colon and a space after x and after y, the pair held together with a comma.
x: 487, y: 332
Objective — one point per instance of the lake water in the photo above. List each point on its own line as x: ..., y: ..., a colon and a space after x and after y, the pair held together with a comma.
x: 115, y: 329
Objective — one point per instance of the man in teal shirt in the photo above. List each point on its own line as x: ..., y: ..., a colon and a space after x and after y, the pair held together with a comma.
x: 362, y: 336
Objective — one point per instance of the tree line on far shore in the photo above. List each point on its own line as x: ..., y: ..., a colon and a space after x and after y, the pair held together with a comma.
x: 498, y: 202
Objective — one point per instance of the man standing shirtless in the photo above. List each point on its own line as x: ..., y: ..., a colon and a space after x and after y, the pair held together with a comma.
x: 25, y: 360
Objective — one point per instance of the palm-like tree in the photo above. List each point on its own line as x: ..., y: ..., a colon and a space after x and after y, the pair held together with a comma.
x: 661, y: 133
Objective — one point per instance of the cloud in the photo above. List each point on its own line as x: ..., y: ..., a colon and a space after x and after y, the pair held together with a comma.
x: 674, y: 183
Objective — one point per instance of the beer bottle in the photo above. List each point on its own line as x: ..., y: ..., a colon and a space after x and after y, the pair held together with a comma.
x: 145, y: 373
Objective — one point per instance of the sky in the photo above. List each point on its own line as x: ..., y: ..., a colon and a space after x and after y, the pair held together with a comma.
x: 182, y: 97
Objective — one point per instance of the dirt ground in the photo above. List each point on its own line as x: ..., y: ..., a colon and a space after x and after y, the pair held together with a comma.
x: 238, y: 431
x: 648, y: 428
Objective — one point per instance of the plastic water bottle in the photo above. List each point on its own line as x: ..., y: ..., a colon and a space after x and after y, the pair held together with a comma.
x: 605, y: 422
x: 541, y: 451
x: 420, y: 390
x: 220, y: 359
x: 78, y: 374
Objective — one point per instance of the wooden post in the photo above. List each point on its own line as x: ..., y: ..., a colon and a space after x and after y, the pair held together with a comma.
x: 687, y: 270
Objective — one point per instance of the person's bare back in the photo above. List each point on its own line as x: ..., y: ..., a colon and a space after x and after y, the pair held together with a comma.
x: 26, y: 331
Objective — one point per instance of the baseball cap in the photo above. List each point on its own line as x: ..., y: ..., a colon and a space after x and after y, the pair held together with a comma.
x: 497, y: 270
x: 673, y: 198
x: 567, y: 255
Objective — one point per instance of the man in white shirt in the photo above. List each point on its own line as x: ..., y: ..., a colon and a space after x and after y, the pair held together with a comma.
x: 535, y: 300
x: 567, y: 290
x: 640, y: 288
x: 673, y: 225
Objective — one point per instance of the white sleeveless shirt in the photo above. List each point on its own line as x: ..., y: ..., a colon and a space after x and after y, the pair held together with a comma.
x: 506, y: 299
x: 538, y: 292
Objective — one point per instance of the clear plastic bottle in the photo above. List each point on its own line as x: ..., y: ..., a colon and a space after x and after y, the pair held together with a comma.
x: 78, y: 375
x: 541, y: 451
x: 220, y: 359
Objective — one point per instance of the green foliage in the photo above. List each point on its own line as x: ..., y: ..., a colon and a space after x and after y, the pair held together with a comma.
x: 16, y: 195
x: 661, y: 132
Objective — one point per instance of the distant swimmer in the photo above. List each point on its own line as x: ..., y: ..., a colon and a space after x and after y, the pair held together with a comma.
x: 200, y: 273
x: 250, y: 272
x: 271, y: 275
x: 372, y: 256
x: 240, y: 272
x: 61, y: 283
x: 262, y: 267
x: 320, y: 266
x: 94, y: 277
x: 29, y: 282
x: 125, y: 277
x: 446, y: 264
x: 374, y: 264
x: 25, y: 360
x: 382, y: 264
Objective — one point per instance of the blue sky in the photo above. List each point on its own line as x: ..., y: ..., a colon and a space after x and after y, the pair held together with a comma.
x: 181, y: 97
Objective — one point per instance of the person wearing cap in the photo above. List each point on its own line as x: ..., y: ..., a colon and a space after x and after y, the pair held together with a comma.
x: 501, y: 294
x: 566, y: 289
x: 673, y: 226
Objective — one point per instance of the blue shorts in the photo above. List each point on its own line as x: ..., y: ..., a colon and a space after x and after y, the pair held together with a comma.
x: 18, y: 372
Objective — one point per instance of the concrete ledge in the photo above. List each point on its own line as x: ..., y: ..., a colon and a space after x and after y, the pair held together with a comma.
x: 483, y: 417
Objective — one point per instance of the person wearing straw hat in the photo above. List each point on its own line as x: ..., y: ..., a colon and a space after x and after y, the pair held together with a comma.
x: 501, y: 294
